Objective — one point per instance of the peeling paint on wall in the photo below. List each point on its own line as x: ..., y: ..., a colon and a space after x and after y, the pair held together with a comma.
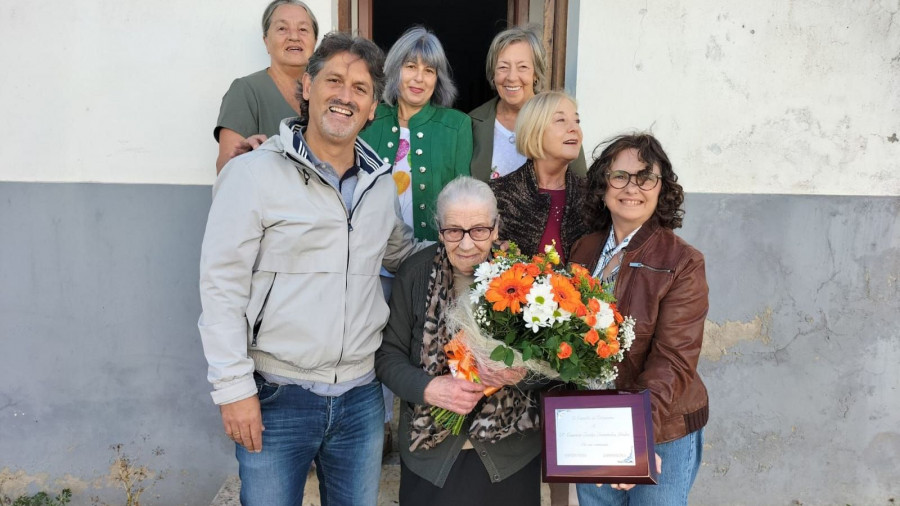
x: 73, y: 483
x: 15, y: 484
x: 719, y: 339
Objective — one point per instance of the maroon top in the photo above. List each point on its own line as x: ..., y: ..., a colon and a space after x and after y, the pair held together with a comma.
x: 553, y: 228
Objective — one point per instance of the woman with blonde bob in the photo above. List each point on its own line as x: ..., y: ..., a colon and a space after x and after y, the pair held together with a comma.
x: 540, y: 203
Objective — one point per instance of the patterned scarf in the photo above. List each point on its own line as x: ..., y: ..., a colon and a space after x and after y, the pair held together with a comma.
x: 610, y: 250
x: 507, y: 411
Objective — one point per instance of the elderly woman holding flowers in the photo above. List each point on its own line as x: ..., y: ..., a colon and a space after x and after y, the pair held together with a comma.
x: 494, y: 458
x: 634, y: 203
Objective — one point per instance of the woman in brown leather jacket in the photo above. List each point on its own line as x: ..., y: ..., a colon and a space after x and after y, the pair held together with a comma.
x: 633, y: 203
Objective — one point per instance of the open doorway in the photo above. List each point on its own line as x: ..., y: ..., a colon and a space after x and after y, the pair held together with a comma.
x: 465, y: 37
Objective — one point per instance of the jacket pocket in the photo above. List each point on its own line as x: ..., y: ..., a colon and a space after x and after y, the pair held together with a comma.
x: 255, y: 317
x: 265, y: 391
x: 639, y: 265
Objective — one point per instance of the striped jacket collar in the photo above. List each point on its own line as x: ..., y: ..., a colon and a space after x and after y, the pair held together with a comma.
x: 294, y: 145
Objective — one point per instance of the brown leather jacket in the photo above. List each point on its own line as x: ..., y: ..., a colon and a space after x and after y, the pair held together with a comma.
x: 662, y: 285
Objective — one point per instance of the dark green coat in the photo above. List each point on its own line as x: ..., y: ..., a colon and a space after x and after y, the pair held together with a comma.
x: 441, y: 148
x: 483, y: 118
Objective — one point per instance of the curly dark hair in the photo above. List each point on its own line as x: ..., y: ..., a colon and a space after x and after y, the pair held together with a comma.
x: 669, y: 212
x: 340, y: 42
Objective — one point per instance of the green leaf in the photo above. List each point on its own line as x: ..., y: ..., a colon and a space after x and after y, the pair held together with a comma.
x: 510, y: 337
x: 552, y: 344
x: 527, y: 352
x: 499, y: 353
x: 510, y: 357
x: 568, y: 371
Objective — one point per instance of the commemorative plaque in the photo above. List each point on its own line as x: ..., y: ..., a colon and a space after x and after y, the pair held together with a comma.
x: 598, y: 436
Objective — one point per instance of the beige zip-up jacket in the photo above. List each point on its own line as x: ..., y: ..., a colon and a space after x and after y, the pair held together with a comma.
x: 288, y: 277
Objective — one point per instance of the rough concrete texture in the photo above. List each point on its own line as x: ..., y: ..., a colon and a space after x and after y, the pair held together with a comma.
x: 801, y: 349
x: 779, y: 96
x: 98, y: 319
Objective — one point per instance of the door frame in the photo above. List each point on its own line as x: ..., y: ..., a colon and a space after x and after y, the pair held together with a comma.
x: 554, y: 22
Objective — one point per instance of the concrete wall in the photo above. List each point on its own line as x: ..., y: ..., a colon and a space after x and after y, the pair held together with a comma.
x: 770, y: 96
x: 107, y: 157
x: 781, y: 119
x: 123, y: 92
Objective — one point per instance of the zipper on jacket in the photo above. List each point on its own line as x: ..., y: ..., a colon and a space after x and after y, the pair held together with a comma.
x: 259, y: 317
x: 363, y: 194
x: 638, y: 265
x: 349, y: 214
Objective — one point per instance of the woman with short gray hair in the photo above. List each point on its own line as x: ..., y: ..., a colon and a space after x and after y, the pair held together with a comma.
x: 254, y: 105
x: 495, y: 458
x: 517, y: 68
x: 416, y: 130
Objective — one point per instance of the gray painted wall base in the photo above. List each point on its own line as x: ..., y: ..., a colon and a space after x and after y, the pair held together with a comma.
x: 99, y: 304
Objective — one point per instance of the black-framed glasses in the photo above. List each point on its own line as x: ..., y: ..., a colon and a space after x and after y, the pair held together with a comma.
x: 476, y: 233
x: 645, y: 180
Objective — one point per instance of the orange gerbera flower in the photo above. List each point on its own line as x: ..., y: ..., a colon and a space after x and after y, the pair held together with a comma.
x: 568, y: 297
x: 603, y: 350
x: 591, y: 337
x: 509, y: 289
x: 565, y: 351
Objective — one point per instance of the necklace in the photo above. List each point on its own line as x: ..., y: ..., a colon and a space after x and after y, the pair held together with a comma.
x: 556, y: 186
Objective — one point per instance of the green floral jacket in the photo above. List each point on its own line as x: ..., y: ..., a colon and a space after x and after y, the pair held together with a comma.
x: 440, y: 149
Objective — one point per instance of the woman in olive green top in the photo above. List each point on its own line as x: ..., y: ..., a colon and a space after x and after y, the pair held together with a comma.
x: 254, y: 105
x: 516, y: 67
x: 428, y: 143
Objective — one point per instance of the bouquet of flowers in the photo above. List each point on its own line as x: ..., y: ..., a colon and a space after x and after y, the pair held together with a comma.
x: 532, y: 313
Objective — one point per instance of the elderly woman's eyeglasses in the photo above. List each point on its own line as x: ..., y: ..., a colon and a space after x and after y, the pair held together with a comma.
x: 645, y: 180
x: 476, y: 233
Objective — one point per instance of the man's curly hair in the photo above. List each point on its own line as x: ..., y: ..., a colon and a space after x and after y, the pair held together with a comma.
x: 669, y: 211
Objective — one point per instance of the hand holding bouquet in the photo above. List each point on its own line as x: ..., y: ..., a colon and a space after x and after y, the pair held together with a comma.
x: 532, y: 313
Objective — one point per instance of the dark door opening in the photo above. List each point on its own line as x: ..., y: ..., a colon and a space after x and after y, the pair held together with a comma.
x: 465, y: 29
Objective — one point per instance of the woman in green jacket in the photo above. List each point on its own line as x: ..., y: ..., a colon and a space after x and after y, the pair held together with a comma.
x: 415, y: 129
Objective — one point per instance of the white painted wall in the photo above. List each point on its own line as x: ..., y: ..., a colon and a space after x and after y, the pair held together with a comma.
x: 772, y: 96
x: 122, y: 91
x: 769, y: 96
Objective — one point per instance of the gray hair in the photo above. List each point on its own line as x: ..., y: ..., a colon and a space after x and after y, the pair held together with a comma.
x: 510, y: 36
x: 416, y: 43
x: 274, y: 4
x: 468, y: 190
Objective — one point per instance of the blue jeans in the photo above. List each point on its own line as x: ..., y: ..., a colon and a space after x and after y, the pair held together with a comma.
x: 342, y: 434
x: 680, y: 463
